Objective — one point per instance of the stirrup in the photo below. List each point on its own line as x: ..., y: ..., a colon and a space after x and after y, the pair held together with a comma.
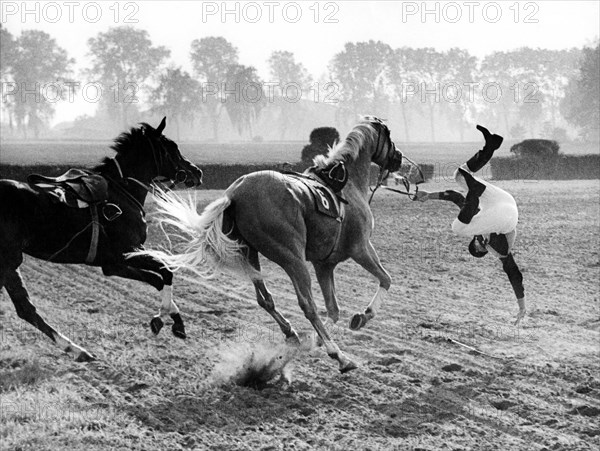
x: 111, y: 212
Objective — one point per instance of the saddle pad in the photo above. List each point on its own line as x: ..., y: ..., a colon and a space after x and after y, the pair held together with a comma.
x: 69, y: 176
x: 326, y: 201
x: 62, y: 195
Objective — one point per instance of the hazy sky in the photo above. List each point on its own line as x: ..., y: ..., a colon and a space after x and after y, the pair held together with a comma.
x: 479, y: 26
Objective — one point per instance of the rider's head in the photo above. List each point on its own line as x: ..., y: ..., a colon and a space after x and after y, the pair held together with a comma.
x: 477, y: 247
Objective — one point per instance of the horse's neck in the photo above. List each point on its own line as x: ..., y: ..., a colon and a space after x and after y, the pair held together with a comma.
x: 360, y: 174
x: 138, y: 192
x: 136, y: 184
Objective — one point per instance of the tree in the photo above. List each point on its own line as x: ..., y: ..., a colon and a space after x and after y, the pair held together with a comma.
x: 502, y: 73
x: 532, y: 83
x: 40, y: 67
x: 555, y: 68
x: 7, y: 51
x: 245, y: 97
x: 291, y: 79
x: 176, y: 96
x: 518, y: 131
x: 531, y: 112
x: 400, y: 73
x: 211, y: 59
x: 581, y: 105
x: 360, y: 69
x: 428, y: 67
x: 123, y: 58
x: 459, y: 105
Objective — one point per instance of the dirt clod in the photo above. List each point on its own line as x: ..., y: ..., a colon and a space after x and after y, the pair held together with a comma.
x: 452, y: 367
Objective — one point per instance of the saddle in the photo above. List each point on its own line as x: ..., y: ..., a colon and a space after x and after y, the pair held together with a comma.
x: 76, y: 188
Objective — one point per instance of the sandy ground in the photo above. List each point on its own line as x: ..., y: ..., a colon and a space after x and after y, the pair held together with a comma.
x: 535, y: 387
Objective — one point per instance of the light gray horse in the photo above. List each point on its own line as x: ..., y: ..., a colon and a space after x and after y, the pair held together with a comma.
x: 275, y: 215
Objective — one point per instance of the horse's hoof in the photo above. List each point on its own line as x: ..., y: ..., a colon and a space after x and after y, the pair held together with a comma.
x: 156, y: 324
x: 348, y: 366
x: 85, y: 357
x: 358, y: 321
x: 179, y: 331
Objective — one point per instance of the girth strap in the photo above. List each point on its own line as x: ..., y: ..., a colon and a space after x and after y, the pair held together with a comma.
x: 338, y: 232
x: 91, y: 256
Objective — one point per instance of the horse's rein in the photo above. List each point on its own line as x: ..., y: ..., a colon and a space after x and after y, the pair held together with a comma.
x: 384, y: 173
x: 122, y: 177
x: 158, y: 165
x: 380, y: 178
x: 149, y: 188
x: 406, y: 183
x: 123, y: 190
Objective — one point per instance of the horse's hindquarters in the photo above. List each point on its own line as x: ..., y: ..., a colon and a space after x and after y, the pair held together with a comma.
x: 33, y: 224
x: 18, y: 206
x: 275, y: 214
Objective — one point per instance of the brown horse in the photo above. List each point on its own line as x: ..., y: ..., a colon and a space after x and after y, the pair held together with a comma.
x: 32, y: 222
x: 275, y: 215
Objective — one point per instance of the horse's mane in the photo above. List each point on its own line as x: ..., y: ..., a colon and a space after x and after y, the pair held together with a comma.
x: 124, y: 143
x: 348, y: 149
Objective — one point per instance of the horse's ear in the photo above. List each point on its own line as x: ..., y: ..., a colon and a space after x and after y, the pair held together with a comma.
x: 370, y: 118
x: 162, y: 125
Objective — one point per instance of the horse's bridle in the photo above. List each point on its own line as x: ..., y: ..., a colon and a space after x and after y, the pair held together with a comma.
x: 386, y: 161
x: 390, y: 162
x: 181, y: 175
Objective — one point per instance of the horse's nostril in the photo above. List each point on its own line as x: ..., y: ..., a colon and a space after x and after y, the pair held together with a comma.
x: 181, y: 176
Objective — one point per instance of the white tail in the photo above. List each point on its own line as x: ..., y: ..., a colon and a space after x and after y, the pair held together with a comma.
x: 208, y: 251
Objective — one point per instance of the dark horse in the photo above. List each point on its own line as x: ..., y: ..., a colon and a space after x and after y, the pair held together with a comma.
x: 275, y: 214
x: 32, y: 223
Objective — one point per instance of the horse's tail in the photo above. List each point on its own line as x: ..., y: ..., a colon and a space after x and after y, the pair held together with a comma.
x: 205, y: 250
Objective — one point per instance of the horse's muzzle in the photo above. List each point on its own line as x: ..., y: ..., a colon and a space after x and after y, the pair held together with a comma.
x: 190, y: 177
x: 395, y: 161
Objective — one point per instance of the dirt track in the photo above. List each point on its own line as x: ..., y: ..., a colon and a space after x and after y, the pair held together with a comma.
x: 536, y: 388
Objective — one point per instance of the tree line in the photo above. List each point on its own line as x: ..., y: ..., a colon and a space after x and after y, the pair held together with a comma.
x: 522, y: 92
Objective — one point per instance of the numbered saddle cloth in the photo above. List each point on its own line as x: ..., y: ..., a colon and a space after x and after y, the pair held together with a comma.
x: 326, y: 201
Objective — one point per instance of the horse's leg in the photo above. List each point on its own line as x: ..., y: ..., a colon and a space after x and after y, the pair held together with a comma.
x: 297, y: 271
x: 369, y: 260
x: 167, y: 305
x: 26, y: 310
x: 157, y: 281
x: 265, y: 299
x: 324, y: 272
